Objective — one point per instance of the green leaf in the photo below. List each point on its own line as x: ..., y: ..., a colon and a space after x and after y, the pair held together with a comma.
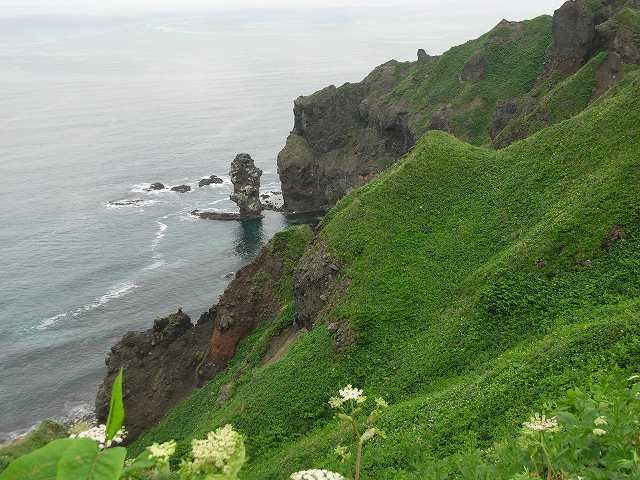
x: 141, y: 463
x: 84, y: 461
x: 40, y: 464
x: 115, y: 420
x: 344, y: 417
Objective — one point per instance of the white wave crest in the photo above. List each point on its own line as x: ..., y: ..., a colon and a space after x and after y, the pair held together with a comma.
x: 159, y: 236
x: 117, y: 291
x: 51, y: 321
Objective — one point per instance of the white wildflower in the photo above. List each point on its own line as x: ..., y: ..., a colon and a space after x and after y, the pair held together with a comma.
x: 342, y: 452
x: 162, y: 452
x: 99, y: 434
x: 381, y: 403
x: 600, y: 421
x: 316, y: 475
x: 598, y: 432
x: 336, y: 402
x: 539, y: 423
x: 350, y: 393
x: 216, y: 450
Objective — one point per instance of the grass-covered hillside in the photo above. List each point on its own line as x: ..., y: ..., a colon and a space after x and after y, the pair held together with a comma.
x: 459, y: 91
x: 480, y: 284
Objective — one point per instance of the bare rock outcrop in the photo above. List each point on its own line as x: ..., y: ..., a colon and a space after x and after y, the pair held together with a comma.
x: 342, y: 138
x: 245, y: 177
x: 162, y: 365
x: 314, y: 278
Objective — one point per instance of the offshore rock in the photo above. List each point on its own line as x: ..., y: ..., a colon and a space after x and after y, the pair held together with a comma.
x: 212, y: 180
x: 155, y: 186
x: 161, y: 366
x: 245, y: 177
x: 181, y: 188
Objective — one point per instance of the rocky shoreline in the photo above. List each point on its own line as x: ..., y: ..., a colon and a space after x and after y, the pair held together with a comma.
x: 343, y: 137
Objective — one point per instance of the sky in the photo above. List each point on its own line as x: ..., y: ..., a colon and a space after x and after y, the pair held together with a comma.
x: 8, y: 8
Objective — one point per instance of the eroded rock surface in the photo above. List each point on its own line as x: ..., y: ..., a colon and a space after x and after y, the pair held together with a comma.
x: 245, y: 177
x: 314, y: 278
x: 161, y: 366
x: 342, y: 138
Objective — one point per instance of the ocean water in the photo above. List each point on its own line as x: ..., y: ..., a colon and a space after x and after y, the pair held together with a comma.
x: 92, y: 110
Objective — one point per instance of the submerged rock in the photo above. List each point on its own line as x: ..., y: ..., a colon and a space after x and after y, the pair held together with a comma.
x: 156, y: 186
x: 213, y: 179
x: 181, y: 188
x: 216, y: 215
x: 126, y: 203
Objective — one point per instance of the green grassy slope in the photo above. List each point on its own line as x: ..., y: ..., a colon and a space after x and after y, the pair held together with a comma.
x: 46, y: 432
x: 513, y: 58
x: 479, y: 287
x: 565, y: 100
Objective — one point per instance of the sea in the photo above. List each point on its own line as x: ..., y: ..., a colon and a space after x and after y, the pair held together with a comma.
x: 95, y: 109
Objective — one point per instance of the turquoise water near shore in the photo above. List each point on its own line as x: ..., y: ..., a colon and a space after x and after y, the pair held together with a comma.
x: 92, y: 110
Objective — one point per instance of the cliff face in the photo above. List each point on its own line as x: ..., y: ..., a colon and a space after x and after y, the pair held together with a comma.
x: 481, y: 92
x: 342, y: 137
x: 162, y: 365
x: 165, y: 363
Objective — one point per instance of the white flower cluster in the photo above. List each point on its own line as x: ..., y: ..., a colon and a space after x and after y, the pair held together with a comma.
x: 600, y: 421
x: 539, y: 423
x: 347, y: 393
x: 216, y: 450
x: 162, y: 452
x: 99, y: 434
x: 316, y: 475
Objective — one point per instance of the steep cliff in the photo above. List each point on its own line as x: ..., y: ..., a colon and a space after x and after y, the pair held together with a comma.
x: 165, y: 363
x: 502, y: 87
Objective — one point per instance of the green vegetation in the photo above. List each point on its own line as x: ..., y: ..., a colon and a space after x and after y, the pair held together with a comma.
x: 289, y: 245
x: 502, y: 64
x: 567, y: 99
x: 482, y: 284
x: 45, y: 433
x: 628, y: 18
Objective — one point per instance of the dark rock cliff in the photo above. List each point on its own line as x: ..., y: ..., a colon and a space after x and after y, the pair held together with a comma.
x: 162, y: 365
x: 581, y: 30
x: 341, y: 139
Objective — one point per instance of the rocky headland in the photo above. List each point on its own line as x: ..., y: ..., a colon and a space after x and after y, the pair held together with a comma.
x: 344, y: 136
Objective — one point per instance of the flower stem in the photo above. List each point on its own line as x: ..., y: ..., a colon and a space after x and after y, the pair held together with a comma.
x: 358, y: 460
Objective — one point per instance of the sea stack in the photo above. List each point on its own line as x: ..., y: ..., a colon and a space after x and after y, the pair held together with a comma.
x: 245, y: 177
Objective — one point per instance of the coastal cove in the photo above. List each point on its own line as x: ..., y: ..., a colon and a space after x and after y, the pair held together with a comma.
x: 429, y: 272
x: 95, y: 111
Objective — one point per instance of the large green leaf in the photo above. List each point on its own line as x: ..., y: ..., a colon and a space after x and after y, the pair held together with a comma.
x: 40, y: 464
x: 84, y: 461
x: 115, y: 420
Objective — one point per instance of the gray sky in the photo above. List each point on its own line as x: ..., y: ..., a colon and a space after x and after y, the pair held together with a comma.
x: 518, y: 9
